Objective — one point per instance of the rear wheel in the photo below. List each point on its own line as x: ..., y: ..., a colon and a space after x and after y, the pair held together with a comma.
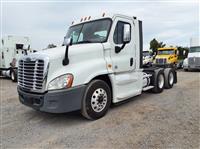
x: 169, y: 78
x: 159, y: 82
x: 97, y: 100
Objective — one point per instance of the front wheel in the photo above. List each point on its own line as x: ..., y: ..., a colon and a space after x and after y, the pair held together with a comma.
x: 97, y: 100
x: 13, y: 75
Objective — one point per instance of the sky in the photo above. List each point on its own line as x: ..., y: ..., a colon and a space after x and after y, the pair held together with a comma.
x: 173, y: 22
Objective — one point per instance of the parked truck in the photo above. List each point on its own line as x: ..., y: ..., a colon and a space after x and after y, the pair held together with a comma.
x: 147, y: 58
x: 193, y: 59
x: 12, y: 48
x: 100, y: 64
x: 166, y: 56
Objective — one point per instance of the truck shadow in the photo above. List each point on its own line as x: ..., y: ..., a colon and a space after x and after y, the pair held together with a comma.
x: 74, y: 118
x: 5, y: 78
x: 64, y: 119
x: 193, y: 70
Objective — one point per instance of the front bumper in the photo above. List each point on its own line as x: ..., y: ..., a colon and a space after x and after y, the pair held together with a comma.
x: 58, y: 101
x: 194, y: 67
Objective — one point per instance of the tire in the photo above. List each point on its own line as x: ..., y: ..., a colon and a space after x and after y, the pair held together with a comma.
x: 159, y: 82
x: 97, y: 100
x: 13, y: 75
x: 169, y: 78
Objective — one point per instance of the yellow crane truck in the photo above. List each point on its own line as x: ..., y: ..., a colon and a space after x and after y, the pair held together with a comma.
x: 166, y: 56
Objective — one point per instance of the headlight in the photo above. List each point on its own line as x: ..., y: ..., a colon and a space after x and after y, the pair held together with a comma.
x: 64, y: 81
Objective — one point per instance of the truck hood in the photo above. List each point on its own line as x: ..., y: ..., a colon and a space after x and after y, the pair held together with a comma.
x: 163, y: 56
x: 195, y: 54
x: 81, y: 58
x: 59, y: 52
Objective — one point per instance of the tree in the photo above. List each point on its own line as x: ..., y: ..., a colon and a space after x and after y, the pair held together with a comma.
x: 154, y: 45
x: 51, y: 46
x: 182, y: 52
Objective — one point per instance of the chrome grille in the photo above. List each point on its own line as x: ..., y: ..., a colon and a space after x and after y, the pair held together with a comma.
x: 31, y: 74
x: 161, y: 61
x: 194, y: 61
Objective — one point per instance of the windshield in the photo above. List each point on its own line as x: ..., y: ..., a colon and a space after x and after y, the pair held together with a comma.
x: 90, y: 32
x: 194, y: 49
x: 146, y: 53
x: 166, y: 52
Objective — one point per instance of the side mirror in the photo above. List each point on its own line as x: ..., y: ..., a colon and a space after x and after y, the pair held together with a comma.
x: 127, y: 33
x: 177, y: 52
x: 67, y: 41
x: 126, y: 37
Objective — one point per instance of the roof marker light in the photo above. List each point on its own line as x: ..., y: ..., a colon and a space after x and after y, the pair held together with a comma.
x: 85, y: 19
x: 89, y: 17
x: 81, y: 19
x: 103, y: 14
x: 72, y: 22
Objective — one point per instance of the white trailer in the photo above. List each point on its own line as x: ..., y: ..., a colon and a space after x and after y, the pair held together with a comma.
x: 193, y: 59
x: 99, y: 64
x: 12, y: 48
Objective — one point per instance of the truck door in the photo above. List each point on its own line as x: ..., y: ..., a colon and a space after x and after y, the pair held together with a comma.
x: 124, y: 60
x: 126, y: 77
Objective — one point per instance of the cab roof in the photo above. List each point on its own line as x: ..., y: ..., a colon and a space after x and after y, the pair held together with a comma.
x: 103, y: 16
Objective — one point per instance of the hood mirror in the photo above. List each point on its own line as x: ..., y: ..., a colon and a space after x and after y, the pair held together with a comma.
x: 67, y: 41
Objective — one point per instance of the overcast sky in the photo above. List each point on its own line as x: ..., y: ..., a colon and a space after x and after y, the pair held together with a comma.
x: 173, y: 22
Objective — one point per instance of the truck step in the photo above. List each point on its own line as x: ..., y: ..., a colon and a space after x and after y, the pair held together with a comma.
x: 147, y: 88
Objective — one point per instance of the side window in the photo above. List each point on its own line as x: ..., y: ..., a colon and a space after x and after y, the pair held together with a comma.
x: 74, y: 36
x: 118, y: 34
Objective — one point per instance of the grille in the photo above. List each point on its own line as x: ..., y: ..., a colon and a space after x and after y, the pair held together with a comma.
x: 31, y: 74
x: 194, y: 61
x: 161, y: 61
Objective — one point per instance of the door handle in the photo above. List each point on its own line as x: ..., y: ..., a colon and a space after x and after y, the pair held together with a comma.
x: 131, y: 61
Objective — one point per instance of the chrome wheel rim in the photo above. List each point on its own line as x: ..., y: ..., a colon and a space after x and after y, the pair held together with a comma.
x: 171, y: 78
x: 12, y: 76
x: 160, y: 81
x: 99, y: 100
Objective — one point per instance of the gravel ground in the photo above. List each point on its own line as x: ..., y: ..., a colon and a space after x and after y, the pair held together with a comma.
x: 167, y: 120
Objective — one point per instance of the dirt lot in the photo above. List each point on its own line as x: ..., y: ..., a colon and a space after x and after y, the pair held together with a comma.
x: 167, y: 120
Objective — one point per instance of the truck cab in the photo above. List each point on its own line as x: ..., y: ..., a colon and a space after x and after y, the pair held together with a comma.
x: 166, y: 56
x: 99, y: 64
x: 193, y: 59
x: 12, y: 48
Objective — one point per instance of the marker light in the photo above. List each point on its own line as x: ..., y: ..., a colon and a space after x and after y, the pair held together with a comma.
x: 85, y: 19
x: 81, y: 19
x: 72, y: 22
x: 103, y: 14
x: 89, y: 17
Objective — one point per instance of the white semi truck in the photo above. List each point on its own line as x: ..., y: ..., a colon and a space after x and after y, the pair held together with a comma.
x: 12, y: 48
x: 193, y: 59
x: 99, y: 64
